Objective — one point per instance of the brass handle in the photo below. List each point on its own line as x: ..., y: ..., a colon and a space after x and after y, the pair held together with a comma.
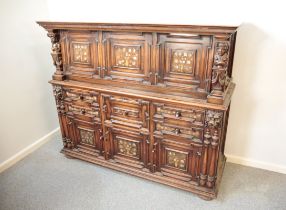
x: 178, y: 114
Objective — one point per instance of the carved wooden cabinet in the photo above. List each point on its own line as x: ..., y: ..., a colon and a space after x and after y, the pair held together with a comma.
x: 148, y: 100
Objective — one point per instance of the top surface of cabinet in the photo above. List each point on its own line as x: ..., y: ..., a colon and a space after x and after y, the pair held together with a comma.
x: 183, y: 60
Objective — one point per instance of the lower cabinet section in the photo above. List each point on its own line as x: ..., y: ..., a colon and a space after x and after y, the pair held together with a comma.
x: 173, y: 144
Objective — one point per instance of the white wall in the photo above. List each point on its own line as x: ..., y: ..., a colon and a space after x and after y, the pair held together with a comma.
x: 27, y: 110
x: 256, y: 133
x: 257, y: 120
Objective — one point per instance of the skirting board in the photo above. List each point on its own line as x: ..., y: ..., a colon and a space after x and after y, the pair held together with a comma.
x: 27, y: 150
x: 256, y: 164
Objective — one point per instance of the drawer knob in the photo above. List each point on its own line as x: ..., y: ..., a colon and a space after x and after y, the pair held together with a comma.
x: 178, y: 114
x: 82, y: 111
x: 125, y: 113
x: 81, y: 97
x: 177, y: 131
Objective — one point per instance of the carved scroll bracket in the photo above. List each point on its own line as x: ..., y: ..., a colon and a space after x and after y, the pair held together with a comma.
x: 56, y: 54
x: 213, y: 124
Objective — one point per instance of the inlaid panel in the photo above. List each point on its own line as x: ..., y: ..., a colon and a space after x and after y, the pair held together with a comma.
x: 86, y: 136
x: 176, y: 159
x: 127, y: 56
x: 128, y: 148
x: 81, y: 53
x: 182, y: 61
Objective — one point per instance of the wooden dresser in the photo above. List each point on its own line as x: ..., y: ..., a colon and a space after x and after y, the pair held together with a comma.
x: 148, y: 100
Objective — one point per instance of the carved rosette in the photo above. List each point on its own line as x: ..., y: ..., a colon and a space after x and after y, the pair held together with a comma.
x: 220, y: 78
x: 56, y: 54
x: 213, y: 124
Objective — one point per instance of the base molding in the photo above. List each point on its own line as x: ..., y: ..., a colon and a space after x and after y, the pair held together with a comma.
x: 204, y: 193
x: 27, y: 150
x: 256, y: 164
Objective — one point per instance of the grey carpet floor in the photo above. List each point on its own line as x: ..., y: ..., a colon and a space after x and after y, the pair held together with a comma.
x: 48, y: 180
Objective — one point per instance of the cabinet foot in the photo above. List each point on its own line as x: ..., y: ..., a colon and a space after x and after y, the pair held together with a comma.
x: 206, y: 198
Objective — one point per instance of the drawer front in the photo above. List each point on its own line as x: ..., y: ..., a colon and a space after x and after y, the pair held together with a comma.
x: 179, y: 121
x: 81, y: 97
x: 191, y: 133
x: 126, y: 112
x: 82, y: 104
x: 180, y: 160
x: 175, y: 114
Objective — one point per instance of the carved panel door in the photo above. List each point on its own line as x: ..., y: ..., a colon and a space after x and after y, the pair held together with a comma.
x: 87, y: 137
x: 184, y: 61
x: 126, y: 56
x: 129, y: 148
x: 80, y: 54
x: 178, y: 159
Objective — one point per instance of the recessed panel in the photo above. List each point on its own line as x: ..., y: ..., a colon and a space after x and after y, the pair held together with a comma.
x: 127, y: 56
x: 81, y: 53
x: 87, y: 136
x: 182, y: 61
x: 176, y: 159
x: 127, y: 147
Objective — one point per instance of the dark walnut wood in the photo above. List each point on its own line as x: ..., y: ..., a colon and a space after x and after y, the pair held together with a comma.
x: 148, y: 100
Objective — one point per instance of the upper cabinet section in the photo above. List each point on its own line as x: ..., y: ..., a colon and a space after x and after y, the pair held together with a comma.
x: 194, y: 61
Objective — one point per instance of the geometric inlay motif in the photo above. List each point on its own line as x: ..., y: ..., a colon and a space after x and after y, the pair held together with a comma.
x: 127, y: 148
x: 127, y: 56
x: 86, y: 136
x: 176, y: 159
x: 182, y: 61
x: 81, y: 53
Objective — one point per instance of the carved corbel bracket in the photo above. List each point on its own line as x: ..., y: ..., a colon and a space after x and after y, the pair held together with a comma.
x: 59, y: 96
x: 56, y: 54
x: 220, y: 78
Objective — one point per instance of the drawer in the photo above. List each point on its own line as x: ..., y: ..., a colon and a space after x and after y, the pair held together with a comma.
x: 86, y: 113
x: 81, y: 97
x: 191, y: 133
x: 128, y: 112
x: 176, y: 114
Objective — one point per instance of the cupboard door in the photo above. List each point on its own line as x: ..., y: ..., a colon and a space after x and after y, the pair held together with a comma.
x: 178, y: 159
x: 86, y: 136
x: 80, y: 54
x: 184, y: 61
x: 129, y: 148
x: 126, y: 56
